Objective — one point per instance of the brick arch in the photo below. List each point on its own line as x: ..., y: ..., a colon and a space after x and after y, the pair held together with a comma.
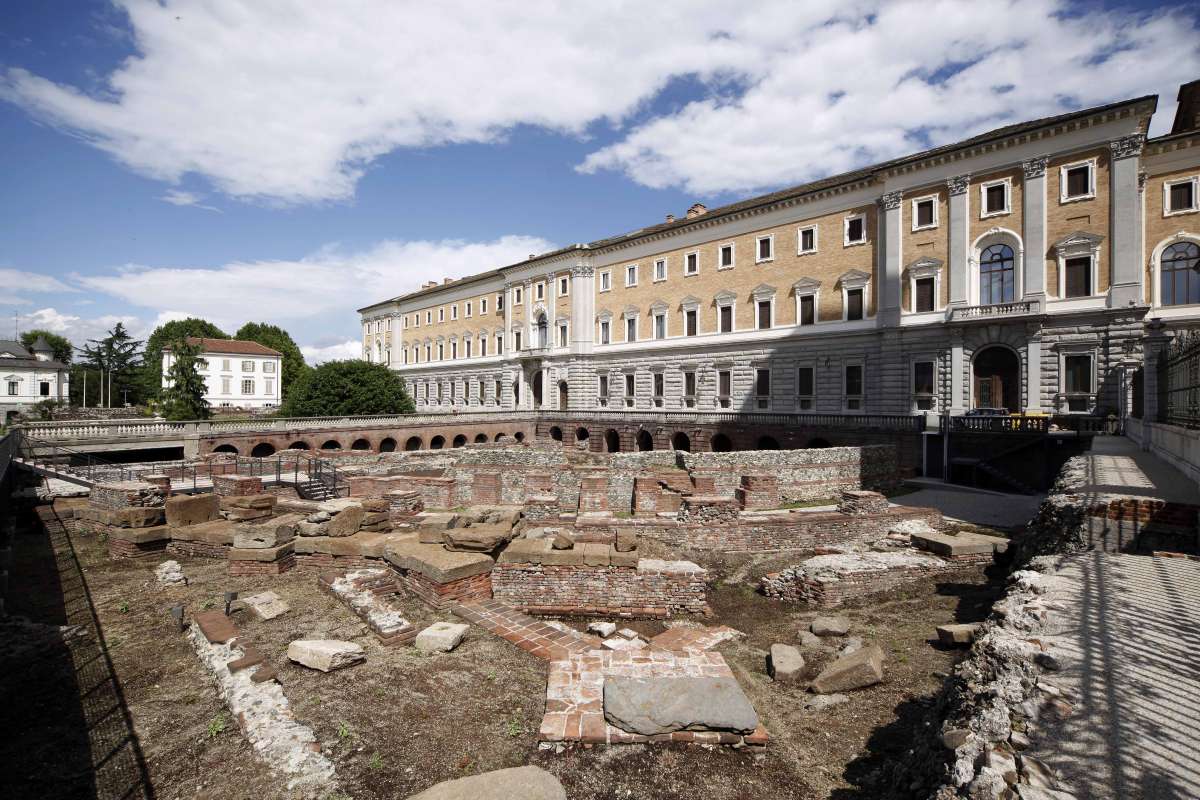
x: 645, y: 442
x: 262, y: 450
x: 360, y: 444
x: 766, y: 443
x: 299, y: 444
x: 413, y: 443
x: 720, y: 443
x: 582, y: 434
x: 437, y: 442
x: 681, y: 441
x: 459, y: 441
x: 336, y: 445
x: 387, y: 445
x: 481, y: 438
x: 225, y: 448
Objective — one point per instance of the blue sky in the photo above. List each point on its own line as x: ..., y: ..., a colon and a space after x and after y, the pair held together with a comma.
x: 244, y: 161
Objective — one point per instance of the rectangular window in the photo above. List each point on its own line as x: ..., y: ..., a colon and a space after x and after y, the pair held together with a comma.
x: 454, y: 349
x: 441, y: 315
x: 466, y: 348
x: 629, y: 390
x: 467, y: 309
x: 483, y: 305
x: 659, y: 385
x: 428, y: 317
x: 691, y: 264
x: 247, y: 366
x: 269, y: 387
x: 482, y: 346
x: 689, y: 389
x: 631, y: 276
x: 762, y: 388
x: 14, y: 388
x: 564, y: 286
x: 724, y: 388
x: 995, y: 198
x: 853, y: 387
x: 226, y: 365
x: 631, y: 329
x: 923, y: 385
x: 225, y: 382
x: 562, y: 335
x: 539, y: 291
x: 808, y: 309
x: 1180, y: 196
x: 856, y: 229
x: 603, y: 390
x: 498, y: 389
x: 44, y: 388
x: 1077, y: 282
x: 766, y: 248
x: 441, y: 352
x: 605, y: 337
x: 517, y: 295
x: 428, y: 352
x: 248, y: 386
x: 806, y: 387
x: 517, y: 340
x: 725, y: 256
x: 764, y: 314
x: 660, y: 326
x: 1077, y: 182
x: 924, y: 299
x: 660, y: 269
x: 1077, y: 381
x: 454, y: 312
x: 726, y: 314
x: 500, y: 301
x: 605, y: 281
x: 807, y: 240
x: 269, y: 367
x: 924, y: 213
x: 854, y: 304
x: 689, y: 321
x: 499, y: 344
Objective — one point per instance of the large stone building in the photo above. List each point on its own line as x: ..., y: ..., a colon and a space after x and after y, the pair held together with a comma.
x: 30, y: 376
x: 1013, y: 270
x: 237, y: 373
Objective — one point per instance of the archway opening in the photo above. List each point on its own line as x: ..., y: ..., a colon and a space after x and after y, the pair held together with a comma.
x: 332, y: 444
x: 681, y: 441
x: 437, y: 442
x: 499, y: 436
x: 720, y: 443
x: 225, y: 448
x: 767, y: 443
x: 413, y: 443
x: 997, y: 378
x: 537, y: 389
x: 262, y: 450
x: 360, y: 444
x: 298, y: 446
x: 517, y: 393
x: 459, y: 441
x: 519, y: 436
x: 612, y: 441
x: 388, y: 445
x: 481, y: 438
x: 582, y: 434
x: 562, y: 395
x: 645, y: 442
x: 556, y: 433
x: 817, y: 444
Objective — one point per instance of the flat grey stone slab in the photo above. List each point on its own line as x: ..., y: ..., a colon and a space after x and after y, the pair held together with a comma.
x: 856, y: 670
x: 785, y: 663
x: 943, y: 544
x: 434, y: 561
x: 662, y: 705
x: 830, y: 626
x: 441, y: 637
x: 517, y: 783
x: 325, y: 655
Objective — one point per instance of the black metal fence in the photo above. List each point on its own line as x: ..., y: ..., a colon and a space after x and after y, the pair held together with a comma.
x: 1179, y: 381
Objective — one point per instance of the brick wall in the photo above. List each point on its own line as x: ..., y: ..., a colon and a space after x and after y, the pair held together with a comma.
x: 822, y: 582
x: 653, y: 589
x: 236, y: 485
x: 444, y: 595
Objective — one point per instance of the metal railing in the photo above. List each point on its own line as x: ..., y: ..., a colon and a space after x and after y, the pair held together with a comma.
x: 685, y: 417
x: 1179, y: 381
x: 1017, y: 423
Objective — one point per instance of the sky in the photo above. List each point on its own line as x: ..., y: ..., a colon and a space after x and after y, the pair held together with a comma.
x: 290, y: 162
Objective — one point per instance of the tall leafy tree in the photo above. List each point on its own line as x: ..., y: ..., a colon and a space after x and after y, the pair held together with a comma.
x: 63, y: 349
x: 115, y: 360
x: 151, y: 372
x: 183, y: 398
x: 348, y: 388
x: 277, y: 338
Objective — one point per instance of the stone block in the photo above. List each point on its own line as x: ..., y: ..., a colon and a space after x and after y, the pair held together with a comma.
x: 525, y: 783
x: 435, y: 562
x: 618, y: 559
x: 325, y: 655
x: 266, y: 605
x: 958, y: 635
x: 830, y: 626
x: 594, y: 554
x: 651, y: 706
x: 857, y: 670
x: 261, y: 554
x: 626, y: 541
x: 604, y: 629
x: 345, y: 522
x: 563, y: 558
x: 307, y: 528
x: 158, y: 533
x: 137, y: 517
x: 258, y: 501
x: 785, y: 664
x: 191, y: 509
x: 441, y: 637
x: 948, y: 546
x: 273, y: 533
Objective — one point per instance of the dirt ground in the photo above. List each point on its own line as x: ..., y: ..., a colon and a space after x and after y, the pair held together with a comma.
x: 401, y: 721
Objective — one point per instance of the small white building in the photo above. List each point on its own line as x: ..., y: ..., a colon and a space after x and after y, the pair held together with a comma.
x: 237, y: 374
x: 29, y: 376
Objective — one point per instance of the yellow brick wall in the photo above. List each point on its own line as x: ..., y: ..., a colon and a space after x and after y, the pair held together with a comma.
x: 932, y: 243
x: 1089, y: 216
x: 1158, y: 225
x: 831, y: 260
x: 463, y: 326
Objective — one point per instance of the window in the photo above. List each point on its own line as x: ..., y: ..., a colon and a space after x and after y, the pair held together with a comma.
x: 247, y: 366
x: 1180, y: 269
x: 467, y: 309
x: 406, y: 354
x: 659, y: 382
x: 765, y: 249
x: 726, y: 316
x: 660, y: 269
x: 453, y: 348
x: 44, y: 388
x: 854, y: 304
x: 808, y: 309
x: 562, y: 334
x: 660, y: 325
x: 603, y: 391
x: 517, y: 340
x: 605, y: 336
x: 226, y: 365
x: 466, y: 348
x: 14, y: 388
x: 1077, y: 181
x: 483, y: 305
x: 1077, y: 381
x: 725, y: 256
x: 807, y: 240
x: 856, y: 230
x: 564, y: 286
x: 269, y: 367
x: 499, y: 344
x: 852, y: 388
x: 454, y: 311
x: 441, y: 352
x: 764, y: 315
x: 428, y: 352
x: 248, y: 386
x: 631, y: 329
x: 923, y: 300
x: 994, y: 198
x: 691, y: 263
x: 923, y: 396
x: 631, y: 276
x: 442, y: 314
x: 724, y: 387
x: 517, y: 295
x: 605, y: 281
x: 482, y: 346
x: 689, y: 322
x: 225, y: 382
x: 997, y: 275
x: 629, y: 390
x: 762, y: 388
x: 539, y: 291
x: 500, y: 301
x: 689, y: 389
x: 924, y: 213
x: 806, y: 388
x: 1078, y: 280
x: 269, y: 387
x: 1179, y: 197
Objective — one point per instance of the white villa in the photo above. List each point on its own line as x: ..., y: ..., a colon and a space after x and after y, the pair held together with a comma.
x: 30, y: 376
x: 238, y: 374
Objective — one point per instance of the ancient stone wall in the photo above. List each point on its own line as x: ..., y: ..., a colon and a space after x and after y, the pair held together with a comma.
x: 832, y: 580
x: 653, y: 588
x: 802, y: 474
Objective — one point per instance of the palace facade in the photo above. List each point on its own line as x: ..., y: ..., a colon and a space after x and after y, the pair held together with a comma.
x: 1013, y: 270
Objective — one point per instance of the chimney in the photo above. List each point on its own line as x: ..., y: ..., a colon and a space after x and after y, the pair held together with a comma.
x: 1187, y: 114
x: 670, y: 217
x: 696, y: 210
x: 446, y: 280
x: 428, y: 284
x: 532, y: 256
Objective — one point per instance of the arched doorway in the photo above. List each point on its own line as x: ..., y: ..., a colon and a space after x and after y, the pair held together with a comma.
x: 720, y: 444
x: 332, y: 444
x: 460, y: 440
x: 360, y: 444
x: 225, y: 448
x: 996, y: 373
x: 767, y: 443
x: 519, y: 436
x: 481, y: 438
x: 499, y: 436
x: 556, y: 433
x: 537, y: 389
x: 581, y: 434
x: 262, y: 450
x: 298, y: 446
x: 437, y: 442
x: 612, y: 441
x: 562, y: 395
x: 645, y: 442
x: 413, y: 443
x: 680, y: 441
x: 388, y: 445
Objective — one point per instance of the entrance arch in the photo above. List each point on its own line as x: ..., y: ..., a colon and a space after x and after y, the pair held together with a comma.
x: 556, y: 433
x: 413, y: 443
x: 996, y: 378
x: 332, y: 444
x: 225, y: 448
x: 460, y: 440
x: 767, y: 443
x: 301, y: 445
x: 388, y: 445
x: 562, y: 395
x: 481, y: 438
x: 262, y: 450
x: 612, y: 441
x: 437, y: 442
x: 645, y: 442
x: 720, y: 443
x: 519, y: 436
x: 537, y: 389
x: 581, y: 434
x: 360, y: 444
x: 680, y: 441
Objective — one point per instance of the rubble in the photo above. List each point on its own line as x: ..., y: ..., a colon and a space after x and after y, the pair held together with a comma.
x: 170, y: 572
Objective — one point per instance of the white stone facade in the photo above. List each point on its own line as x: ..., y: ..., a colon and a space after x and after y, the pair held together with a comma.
x: 28, y: 377
x: 248, y: 377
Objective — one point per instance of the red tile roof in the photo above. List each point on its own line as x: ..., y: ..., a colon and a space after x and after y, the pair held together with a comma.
x: 233, y: 347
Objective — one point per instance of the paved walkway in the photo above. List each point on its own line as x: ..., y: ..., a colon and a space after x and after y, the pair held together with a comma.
x: 1120, y: 466
x: 1129, y: 631
x: 992, y: 509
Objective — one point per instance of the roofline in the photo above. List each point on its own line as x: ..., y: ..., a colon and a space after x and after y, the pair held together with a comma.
x: 167, y: 347
x: 842, y: 182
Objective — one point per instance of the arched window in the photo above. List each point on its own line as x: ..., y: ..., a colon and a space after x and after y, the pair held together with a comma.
x: 1180, y: 268
x: 997, y: 275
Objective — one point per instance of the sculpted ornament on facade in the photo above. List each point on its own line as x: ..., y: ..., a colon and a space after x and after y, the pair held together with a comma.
x: 891, y: 201
x: 1035, y: 167
x: 1127, y: 146
x: 958, y: 184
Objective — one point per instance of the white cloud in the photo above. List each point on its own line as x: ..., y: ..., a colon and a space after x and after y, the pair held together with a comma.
x: 178, y: 197
x: 315, y: 355
x: 81, y: 329
x: 291, y: 103
x: 22, y: 281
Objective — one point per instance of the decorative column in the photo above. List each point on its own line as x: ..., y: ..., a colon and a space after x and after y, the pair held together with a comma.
x: 583, y: 308
x: 960, y: 238
x: 1125, y: 260
x: 890, y: 256
x: 1035, y: 230
x: 957, y: 394
x: 507, y: 320
x: 527, y: 335
x: 397, y: 355
x: 1033, y: 368
x: 551, y: 289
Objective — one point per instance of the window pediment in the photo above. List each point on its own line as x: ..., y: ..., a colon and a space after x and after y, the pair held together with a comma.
x: 925, y: 267
x: 806, y: 285
x: 630, y: 311
x: 764, y: 291
x: 658, y: 306
x: 854, y: 279
x: 725, y: 297
x: 689, y: 303
x: 1078, y: 243
x: 14, y: 378
x: 604, y: 315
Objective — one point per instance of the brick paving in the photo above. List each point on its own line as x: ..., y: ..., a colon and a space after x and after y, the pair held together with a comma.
x: 531, y: 635
x: 693, y: 640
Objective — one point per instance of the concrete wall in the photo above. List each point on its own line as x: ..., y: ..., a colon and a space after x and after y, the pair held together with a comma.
x: 1178, y: 446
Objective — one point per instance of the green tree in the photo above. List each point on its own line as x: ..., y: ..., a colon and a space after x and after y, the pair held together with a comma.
x: 277, y: 338
x: 348, y: 388
x: 116, y: 359
x: 151, y: 372
x: 63, y: 349
x: 183, y: 398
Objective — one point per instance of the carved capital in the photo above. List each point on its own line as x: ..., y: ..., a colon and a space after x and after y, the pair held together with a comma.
x: 1127, y: 146
x: 958, y: 184
x: 1142, y: 178
x: 1034, y: 167
x: 891, y: 201
x: 582, y: 271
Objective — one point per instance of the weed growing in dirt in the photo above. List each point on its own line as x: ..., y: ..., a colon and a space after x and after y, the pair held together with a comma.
x: 123, y: 607
x: 216, y: 726
x: 209, y: 604
x: 376, y: 761
x: 514, y: 727
x: 491, y: 676
x: 102, y: 536
x: 343, y: 731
